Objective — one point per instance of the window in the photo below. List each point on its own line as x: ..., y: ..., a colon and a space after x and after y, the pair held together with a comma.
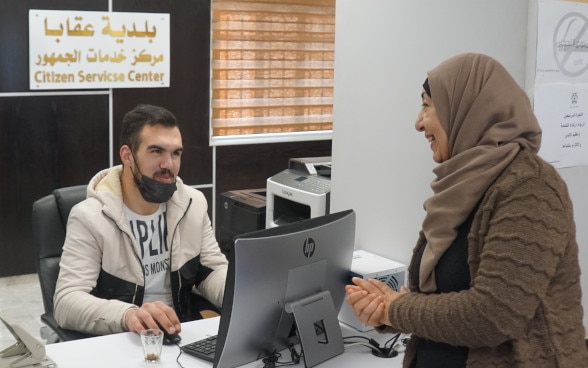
x: 272, y: 70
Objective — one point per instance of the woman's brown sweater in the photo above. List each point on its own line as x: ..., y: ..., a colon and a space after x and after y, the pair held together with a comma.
x: 523, y: 308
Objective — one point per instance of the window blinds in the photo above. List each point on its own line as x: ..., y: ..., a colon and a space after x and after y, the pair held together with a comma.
x: 272, y: 66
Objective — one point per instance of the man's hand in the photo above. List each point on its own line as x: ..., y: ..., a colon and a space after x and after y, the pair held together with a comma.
x: 153, y: 315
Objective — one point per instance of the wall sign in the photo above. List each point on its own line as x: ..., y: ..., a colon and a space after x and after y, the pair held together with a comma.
x: 89, y: 50
x: 560, y: 97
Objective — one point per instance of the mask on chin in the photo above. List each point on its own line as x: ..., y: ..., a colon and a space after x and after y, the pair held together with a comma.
x: 155, y: 191
x: 152, y: 190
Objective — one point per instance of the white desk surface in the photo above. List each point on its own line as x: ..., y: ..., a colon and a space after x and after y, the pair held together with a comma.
x: 125, y: 350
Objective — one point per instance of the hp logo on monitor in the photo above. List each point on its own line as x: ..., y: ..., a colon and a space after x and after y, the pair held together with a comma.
x: 308, y: 247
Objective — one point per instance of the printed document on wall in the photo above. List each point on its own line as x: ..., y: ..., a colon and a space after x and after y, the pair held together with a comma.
x: 562, y: 42
x: 562, y: 111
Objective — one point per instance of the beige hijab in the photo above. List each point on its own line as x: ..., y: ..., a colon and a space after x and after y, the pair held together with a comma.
x: 488, y: 119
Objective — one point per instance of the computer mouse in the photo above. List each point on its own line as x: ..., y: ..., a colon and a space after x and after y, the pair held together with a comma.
x: 171, y: 339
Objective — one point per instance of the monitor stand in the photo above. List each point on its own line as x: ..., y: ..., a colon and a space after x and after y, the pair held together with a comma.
x: 318, y: 327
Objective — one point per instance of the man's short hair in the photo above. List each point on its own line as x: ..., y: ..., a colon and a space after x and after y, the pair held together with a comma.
x: 134, y: 121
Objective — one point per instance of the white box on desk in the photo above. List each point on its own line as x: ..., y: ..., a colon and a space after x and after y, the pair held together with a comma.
x: 372, y: 266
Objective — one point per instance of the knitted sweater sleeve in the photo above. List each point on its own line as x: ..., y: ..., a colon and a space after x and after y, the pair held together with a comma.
x: 515, y: 247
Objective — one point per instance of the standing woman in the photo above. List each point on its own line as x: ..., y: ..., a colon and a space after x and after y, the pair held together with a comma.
x: 494, y: 277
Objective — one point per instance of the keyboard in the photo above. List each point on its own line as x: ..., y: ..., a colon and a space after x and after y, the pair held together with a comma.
x: 203, y: 349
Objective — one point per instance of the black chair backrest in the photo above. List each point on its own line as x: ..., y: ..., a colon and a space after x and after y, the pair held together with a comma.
x: 49, y: 220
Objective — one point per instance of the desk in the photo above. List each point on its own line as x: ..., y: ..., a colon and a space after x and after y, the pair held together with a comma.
x: 125, y: 350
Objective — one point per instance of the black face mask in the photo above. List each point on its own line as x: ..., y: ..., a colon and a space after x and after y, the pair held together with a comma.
x: 152, y: 190
x: 155, y: 191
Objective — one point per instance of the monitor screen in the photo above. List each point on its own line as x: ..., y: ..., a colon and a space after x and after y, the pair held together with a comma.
x: 273, y: 273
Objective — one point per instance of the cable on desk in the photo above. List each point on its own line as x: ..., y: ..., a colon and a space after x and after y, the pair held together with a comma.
x: 178, y: 357
x: 273, y: 360
x: 294, y: 354
x: 386, y: 351
x: 405, y: 341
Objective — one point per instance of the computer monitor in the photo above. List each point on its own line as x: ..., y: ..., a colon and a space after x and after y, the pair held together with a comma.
x: 284, y: 279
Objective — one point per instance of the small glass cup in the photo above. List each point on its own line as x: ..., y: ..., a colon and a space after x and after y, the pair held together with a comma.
x: 152, y: 340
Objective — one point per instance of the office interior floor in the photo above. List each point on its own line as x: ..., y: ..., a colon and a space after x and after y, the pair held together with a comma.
x: 22, y: 303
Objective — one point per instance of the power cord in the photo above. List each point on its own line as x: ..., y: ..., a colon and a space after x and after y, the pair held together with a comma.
x: 273, y: 360
x: 389, y: 350
x: 294, y: 354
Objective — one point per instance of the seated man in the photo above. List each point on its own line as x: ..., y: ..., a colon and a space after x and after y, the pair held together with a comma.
x: 141, y: 241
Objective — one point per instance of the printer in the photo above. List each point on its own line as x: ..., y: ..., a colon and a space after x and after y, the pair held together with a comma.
x: 241, y: 211
x: 300, y: 192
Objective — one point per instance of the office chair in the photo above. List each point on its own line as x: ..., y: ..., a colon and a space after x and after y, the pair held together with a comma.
x: 50, y: 215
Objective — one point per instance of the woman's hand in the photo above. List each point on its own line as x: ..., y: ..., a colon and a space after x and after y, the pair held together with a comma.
x: 370, y: 300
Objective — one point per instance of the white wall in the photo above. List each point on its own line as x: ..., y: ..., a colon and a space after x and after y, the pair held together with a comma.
x: 575, y: 177
x: 381, y: 165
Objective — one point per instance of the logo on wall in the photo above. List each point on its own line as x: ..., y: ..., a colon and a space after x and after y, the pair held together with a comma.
x: 574, y: 98
x: 308, y: 247
x: 570, y: 44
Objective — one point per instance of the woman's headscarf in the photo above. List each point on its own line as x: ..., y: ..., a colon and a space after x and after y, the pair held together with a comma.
x: 488, y: 119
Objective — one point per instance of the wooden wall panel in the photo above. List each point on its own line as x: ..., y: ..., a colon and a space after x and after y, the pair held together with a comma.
x: 46, y: 142
x: 188, y: 94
